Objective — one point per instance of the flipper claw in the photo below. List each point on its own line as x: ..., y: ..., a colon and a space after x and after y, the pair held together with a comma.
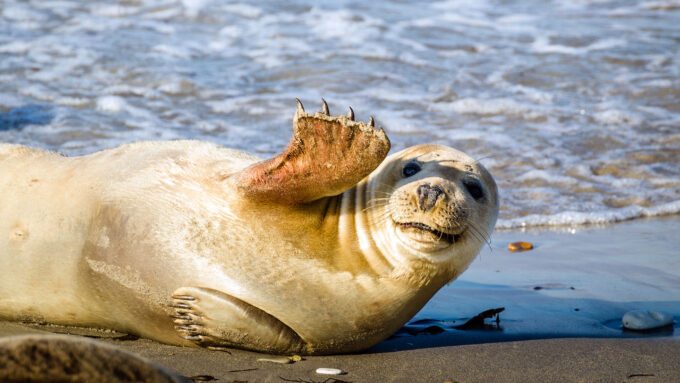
x: 185, y: 327
x: 371, y: 122
x: 300, y: 107
x: 324, y: 107
x: 182, y: 306
x: 184, y: 297
x: 350, y: 114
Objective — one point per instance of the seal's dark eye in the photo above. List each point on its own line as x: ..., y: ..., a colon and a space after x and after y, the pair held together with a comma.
x: 474, y: 188
x: 410, y: 169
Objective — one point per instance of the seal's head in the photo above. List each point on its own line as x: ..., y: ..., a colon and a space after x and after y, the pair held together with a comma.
x: 433, y: 205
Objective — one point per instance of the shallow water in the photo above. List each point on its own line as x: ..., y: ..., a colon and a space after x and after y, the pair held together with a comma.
x: 571, y: 285
x: 574, y: 106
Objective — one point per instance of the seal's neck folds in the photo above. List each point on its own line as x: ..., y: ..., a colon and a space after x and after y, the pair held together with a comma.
x: 357, y: 228
x: 364, y: 222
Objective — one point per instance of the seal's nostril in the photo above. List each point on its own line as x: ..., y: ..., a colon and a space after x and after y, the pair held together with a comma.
x: 436, y: 191
x: 428, y: 196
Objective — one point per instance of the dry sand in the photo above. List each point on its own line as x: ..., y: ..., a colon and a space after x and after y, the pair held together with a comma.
x: 595, y: 354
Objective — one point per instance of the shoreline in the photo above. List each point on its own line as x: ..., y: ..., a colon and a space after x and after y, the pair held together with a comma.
x: 540, y: 336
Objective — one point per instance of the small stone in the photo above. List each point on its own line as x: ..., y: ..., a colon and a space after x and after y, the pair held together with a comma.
x: 282, y: 360
x: 641, y: 320
x: 330, y: 371
x: 520, y: 246
x: 295, y: 358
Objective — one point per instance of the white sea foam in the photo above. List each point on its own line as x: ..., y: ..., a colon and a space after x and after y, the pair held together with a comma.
x: 542, y: 45
x: 590, y: 217
x: 77, y: 102
x: 336, y: 24
x: 487, y: 107
x: 23, y: 13
x: 126, y: 90
x: 16, y: 47
x: 243, y: 10
x: 8, y: 100
x: 175, y: 51
x: 177, y: 87
x: 617, y: 117
x: 111, y: 104
x: 549, y: 177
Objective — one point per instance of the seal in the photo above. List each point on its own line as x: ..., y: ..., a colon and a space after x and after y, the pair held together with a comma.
x: 325, y: 248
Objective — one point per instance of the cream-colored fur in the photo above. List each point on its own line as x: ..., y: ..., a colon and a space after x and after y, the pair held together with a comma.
x: 106, y: 239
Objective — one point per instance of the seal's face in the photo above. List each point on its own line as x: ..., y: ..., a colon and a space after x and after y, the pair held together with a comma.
x: 439, y: 203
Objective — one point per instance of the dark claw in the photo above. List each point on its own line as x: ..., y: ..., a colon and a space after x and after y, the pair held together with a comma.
x: 185, y: 328
x: 184, y: 297
x: 350, y: 115
x: 183, y: 317
x: 324, y: 107
x: 181, y: 306
x: 300, y: 107
x: 192, y: 337
x: 371, y: 122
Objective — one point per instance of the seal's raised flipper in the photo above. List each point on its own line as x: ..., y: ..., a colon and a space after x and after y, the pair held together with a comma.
x: 211, y: 318
x: 327, y: 155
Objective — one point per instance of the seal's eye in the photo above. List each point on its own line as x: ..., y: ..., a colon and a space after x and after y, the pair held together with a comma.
x: 474, y: 188
x: 410, y: 169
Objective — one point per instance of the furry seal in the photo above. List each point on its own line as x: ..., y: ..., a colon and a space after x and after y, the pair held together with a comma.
x: 325, y: 248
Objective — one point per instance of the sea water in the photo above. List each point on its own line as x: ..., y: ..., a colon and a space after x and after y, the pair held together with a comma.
x: 573, y: 105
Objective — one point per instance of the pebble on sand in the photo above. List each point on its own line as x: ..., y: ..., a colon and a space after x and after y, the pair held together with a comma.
x: 520, y: 246
x: 281, y: 360
x: 641, y: 320
x: 330, y: 371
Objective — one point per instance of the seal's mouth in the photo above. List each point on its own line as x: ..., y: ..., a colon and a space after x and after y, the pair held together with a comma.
x: 446, y: 237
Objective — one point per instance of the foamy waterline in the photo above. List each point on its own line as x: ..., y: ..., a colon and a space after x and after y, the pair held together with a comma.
x: 569, y: 218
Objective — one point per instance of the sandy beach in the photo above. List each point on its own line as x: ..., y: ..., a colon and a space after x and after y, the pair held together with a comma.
x: 540, y: 335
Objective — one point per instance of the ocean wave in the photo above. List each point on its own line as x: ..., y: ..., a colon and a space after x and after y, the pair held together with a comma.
x: 568, y: 218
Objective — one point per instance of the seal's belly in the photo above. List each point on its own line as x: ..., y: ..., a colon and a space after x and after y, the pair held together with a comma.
x: 43, y: 222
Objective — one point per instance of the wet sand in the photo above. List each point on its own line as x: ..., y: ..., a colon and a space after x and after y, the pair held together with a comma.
x: 554, y: 360
x: 540, y: 337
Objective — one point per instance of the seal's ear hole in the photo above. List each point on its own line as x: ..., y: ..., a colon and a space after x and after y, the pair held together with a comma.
x: 410, y: 169
x: 474, y: 188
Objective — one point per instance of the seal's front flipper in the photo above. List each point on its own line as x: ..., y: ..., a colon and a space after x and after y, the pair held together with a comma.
x: 327, y: 155
x: 211, y: 318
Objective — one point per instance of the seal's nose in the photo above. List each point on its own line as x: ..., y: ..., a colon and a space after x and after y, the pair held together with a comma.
x: 428, y: 196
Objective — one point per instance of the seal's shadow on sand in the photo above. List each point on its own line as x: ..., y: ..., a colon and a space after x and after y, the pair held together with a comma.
x: 31, y: 114
x: 529, y: 314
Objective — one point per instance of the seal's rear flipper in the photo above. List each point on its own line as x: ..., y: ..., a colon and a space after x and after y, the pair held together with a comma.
x: 327, y: 155
x: 211, y: 318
